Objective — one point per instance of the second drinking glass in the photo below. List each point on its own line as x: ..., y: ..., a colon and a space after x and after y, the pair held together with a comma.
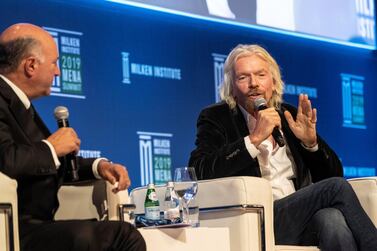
x: 186, y: 187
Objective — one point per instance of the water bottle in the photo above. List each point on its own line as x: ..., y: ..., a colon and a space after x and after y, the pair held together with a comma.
x: 151, y: 204
x: 171, y: 204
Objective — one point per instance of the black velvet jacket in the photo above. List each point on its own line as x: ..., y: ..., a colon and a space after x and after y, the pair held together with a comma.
x: 221, y: 151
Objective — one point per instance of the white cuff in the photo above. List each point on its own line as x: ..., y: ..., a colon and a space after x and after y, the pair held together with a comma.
x: 310, y: 149
x: 53, y: 153
x: 95, y: 167
x: 253, y: 151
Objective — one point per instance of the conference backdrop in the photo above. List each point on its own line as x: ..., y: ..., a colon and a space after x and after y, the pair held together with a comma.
x: 134, y: 81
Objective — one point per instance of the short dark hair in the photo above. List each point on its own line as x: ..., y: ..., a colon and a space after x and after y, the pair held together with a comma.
x: 12, y: 52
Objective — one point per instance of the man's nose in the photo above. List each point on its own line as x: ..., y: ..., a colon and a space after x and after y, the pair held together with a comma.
x: 252, y: 82
x: 57, y: 71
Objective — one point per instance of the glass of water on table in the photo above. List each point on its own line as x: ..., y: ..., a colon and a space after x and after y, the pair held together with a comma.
x: 186, y: 187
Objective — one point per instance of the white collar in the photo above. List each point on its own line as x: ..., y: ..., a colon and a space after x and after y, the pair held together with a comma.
x: 20, y: 94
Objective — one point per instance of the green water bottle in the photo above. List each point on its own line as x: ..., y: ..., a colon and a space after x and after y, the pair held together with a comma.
x: 151, y: 204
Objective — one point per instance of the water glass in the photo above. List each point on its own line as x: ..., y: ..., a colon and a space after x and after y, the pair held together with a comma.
x: 186, y: 187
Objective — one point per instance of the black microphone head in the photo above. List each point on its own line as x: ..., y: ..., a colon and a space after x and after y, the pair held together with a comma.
x: 61, y: 112
x: 260, y: 103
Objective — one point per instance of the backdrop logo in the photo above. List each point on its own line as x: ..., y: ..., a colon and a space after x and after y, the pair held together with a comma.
x: 69, y: 83
x: 155, y: 157
x: 353, y: 101
x: 218, y: 69
x: 358, y: 171
x: 90, y: 153
x: 290, y: 89
x: 130, y: 68
x: 126, y: 68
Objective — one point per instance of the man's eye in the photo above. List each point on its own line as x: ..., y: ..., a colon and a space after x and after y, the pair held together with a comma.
x: 240, y: 78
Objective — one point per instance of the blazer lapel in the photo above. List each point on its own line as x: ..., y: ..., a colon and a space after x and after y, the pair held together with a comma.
x: 40, y: 124
x: 239, y: 122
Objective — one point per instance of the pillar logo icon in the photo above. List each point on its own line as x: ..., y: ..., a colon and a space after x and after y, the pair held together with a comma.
x: 353, y: 101
x: 155, y: 157
x: 218, y: 69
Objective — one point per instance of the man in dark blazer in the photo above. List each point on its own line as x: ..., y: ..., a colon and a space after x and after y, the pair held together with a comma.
x: 32, y: 155
x: 313, y: 205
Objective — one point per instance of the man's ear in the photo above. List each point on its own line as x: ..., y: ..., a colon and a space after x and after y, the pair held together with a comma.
x: 30, y: 66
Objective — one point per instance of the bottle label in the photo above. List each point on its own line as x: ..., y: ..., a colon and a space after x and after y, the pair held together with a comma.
x: 152, y: 213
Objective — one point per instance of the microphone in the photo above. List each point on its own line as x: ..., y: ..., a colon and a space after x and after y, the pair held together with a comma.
x: 61, y: 115
x: 261, y: 104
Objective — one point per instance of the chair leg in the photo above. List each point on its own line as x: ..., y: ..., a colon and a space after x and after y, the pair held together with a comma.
x: 6, y: 209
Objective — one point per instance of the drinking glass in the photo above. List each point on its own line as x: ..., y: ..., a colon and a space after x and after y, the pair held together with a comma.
x: 186, y: 187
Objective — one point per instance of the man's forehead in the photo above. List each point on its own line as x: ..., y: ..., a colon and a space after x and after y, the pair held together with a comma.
x: 251, y: 57
x: 252, y: 60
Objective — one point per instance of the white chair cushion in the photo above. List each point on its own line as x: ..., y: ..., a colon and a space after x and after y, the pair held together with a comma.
x: 366, y: 191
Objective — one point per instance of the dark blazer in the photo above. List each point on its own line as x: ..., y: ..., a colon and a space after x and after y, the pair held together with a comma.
x: 24, y: 157
x: 221, y: 150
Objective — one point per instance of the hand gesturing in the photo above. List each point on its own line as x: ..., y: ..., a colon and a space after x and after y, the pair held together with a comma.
x: 304, y: 128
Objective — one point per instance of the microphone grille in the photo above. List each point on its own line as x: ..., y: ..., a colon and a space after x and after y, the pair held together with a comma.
x: 259, y: 102
x: 61, y: 112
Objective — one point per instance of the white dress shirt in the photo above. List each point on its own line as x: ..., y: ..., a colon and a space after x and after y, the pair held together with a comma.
x: 276, y: 163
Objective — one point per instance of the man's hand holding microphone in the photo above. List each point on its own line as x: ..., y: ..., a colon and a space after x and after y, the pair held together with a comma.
x: 67, y: 144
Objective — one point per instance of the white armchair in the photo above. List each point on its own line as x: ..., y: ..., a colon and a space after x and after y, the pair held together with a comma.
x: 245, y: 206
x: 84, y: 200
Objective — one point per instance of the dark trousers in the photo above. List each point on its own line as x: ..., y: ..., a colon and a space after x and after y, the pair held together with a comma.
x: 80, y: 235
x: 325, y: 214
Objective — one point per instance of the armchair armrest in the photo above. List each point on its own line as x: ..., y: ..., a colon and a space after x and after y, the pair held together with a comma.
x: 245, y: 205
x: 234, y: 191
x: 88, y: 200
x: 8, y: 214
x: 222, y: 192
x: 366, y: 190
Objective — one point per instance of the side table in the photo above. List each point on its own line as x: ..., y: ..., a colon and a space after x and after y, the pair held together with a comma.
x: 186, y: 239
